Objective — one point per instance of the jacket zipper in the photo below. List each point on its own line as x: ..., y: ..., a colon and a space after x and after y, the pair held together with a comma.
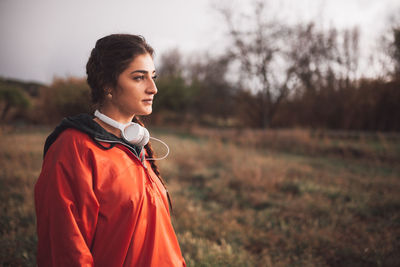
x: 134, y: 154
x: 140, y: 161
x: 127, y: 146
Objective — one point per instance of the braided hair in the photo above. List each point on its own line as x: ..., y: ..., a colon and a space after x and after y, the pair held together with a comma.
x: 153, y: 164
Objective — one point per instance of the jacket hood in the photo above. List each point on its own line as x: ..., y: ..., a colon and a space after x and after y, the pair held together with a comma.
x: 83, y: 123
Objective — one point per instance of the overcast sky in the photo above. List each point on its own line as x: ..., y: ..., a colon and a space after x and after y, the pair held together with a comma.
x: 40, y: 39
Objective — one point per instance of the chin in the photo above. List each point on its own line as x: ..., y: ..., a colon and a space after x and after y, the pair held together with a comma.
x: 146, y: 112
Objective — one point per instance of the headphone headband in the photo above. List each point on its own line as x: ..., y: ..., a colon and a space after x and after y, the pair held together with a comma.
x: 110, y: 121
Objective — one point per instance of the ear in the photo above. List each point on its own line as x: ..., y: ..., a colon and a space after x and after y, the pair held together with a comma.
x: 108, y: 92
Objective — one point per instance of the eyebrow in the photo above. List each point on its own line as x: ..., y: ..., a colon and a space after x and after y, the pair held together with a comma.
x: 141, y: 71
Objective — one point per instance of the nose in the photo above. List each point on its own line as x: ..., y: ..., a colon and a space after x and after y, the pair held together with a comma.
x: 152, y: 88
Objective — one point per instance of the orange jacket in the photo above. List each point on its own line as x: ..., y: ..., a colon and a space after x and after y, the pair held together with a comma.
x: 101, y: 207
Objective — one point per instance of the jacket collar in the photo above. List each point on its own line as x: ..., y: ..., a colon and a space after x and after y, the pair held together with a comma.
x: 83, y: 123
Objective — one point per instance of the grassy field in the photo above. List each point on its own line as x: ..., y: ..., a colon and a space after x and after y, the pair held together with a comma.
x: 249, y: 198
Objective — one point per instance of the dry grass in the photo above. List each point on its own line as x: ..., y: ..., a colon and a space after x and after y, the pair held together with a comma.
x: 284, y: 206
x: 20, y: 162
x: 259, y: 201
x: 344, y: 144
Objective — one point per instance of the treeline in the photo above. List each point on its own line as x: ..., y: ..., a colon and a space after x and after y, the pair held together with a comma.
x: 201, y: 94
x: 211, y: 101
x: 272, y: 74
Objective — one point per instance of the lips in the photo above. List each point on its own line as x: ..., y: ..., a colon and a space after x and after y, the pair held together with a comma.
x: 148, y: 101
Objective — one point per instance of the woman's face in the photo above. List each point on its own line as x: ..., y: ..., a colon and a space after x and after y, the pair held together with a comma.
x: 135, y: 88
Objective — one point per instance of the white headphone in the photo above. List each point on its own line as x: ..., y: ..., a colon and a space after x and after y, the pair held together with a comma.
x: 131, y: 132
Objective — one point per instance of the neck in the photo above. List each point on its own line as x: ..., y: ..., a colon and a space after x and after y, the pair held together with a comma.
x: 108, y: 128
x: 116, y: 114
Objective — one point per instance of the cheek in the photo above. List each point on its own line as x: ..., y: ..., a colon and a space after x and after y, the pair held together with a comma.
x: 128, y: 92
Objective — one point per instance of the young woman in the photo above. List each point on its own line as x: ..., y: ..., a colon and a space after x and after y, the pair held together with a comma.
x: 100, y: 199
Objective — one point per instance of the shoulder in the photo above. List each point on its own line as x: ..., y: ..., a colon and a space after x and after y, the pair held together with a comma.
x: 75, y: 137
x: 71, y: 141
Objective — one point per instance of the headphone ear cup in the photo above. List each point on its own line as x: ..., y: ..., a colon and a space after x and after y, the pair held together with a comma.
x: 136, y: 134
x: 145, y: 138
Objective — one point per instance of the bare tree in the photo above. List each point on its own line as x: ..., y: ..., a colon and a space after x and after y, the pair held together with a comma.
x: 309, y: 54
x: 259, y: 51
x: 319, y: 58
x: 171, y: 63
x: 389, y: 47
x: 351, y: 54
x: 394, y: 46
x: 214, y: 93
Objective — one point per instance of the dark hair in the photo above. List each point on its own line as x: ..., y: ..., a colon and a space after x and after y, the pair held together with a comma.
x: 109, y: 58
x: 111, y: 55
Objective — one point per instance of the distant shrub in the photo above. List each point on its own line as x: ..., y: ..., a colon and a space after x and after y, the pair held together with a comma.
x: 13, y: 101
x: 64, y: 97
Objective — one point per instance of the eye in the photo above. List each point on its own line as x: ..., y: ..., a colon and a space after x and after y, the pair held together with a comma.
x: 138, y: 78
x: 154, y: 77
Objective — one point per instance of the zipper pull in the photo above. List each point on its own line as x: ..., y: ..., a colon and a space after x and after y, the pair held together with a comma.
x: 142, y: 157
